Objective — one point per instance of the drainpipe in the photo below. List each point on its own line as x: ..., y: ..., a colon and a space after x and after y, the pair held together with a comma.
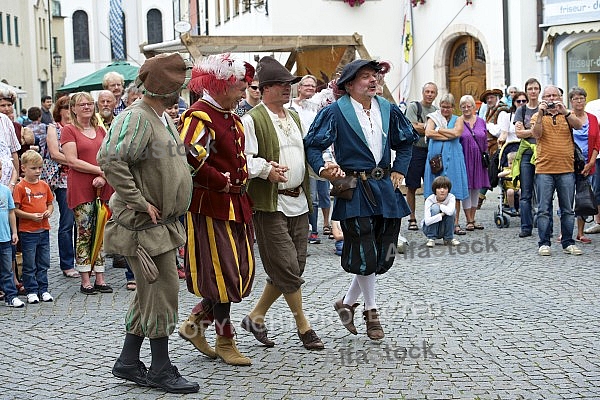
x: 505, y: 34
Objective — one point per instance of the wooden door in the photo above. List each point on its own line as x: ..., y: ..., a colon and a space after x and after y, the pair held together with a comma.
x: 466, y: 72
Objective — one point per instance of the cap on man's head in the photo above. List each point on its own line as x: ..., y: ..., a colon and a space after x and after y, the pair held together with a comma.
x: 164, y: 75
x: 495, y: 92
x: 270, y: 71
x: 351, y: 69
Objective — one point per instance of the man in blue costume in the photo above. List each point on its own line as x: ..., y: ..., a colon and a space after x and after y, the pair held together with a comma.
x: 363, y: 129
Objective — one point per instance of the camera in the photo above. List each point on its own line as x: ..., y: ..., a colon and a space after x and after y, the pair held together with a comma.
x: 551, y: 105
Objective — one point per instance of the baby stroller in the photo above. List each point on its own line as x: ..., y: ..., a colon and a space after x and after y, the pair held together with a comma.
x: 504, y: 211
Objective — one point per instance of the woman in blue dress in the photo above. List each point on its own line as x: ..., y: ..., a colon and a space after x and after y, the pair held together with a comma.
x: 443, y: 131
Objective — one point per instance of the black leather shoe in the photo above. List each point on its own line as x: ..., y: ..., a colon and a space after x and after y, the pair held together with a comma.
x: 102, y: 288
x: 170, y: 380
x: 258, y: 330
x: 524, y: 234
x: 135, y: 372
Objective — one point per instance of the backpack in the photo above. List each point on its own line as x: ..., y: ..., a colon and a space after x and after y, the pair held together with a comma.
x: 419, y: 111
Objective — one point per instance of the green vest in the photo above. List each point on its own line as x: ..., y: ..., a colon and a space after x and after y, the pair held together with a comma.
x: 262, y: 192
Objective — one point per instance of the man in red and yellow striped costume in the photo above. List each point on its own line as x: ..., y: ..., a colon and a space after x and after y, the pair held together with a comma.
x: 219, y: 258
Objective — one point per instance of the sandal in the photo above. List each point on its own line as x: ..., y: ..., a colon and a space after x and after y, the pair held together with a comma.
x: 477, y: 226
x: 326, y: 230
x: 70, y: 273
x: 412, y: 225
x: 470, y: 226
x: 131, y: 285
x: 459, y: 231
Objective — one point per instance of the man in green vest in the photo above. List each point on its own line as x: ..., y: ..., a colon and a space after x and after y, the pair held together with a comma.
x: 280, y: 192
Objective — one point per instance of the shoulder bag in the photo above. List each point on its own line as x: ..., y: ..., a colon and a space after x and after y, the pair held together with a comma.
x: 436, y: 163
x: 485, y: 156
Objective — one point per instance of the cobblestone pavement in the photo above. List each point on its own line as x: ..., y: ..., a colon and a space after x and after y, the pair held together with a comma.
x: 489, y: 320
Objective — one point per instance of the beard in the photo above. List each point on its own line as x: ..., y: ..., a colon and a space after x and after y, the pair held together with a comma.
x: 106, y: 113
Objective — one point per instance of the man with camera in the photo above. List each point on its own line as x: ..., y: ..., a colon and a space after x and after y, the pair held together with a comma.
x: 551, y: 127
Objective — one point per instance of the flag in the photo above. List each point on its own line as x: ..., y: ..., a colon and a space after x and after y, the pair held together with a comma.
x: 407, y: 53
x: 115, y: 19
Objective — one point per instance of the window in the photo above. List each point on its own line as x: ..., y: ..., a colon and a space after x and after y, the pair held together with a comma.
x: 124, y: 38
x: 154, y: 24
x: 236, y: 8
x: 81, y: 37
x: 227, y: 11
x: 246, y: 6
x: 17, y: 31
x: 217, y: 12
x: 1, y: 28
x: 56, y: 11
x: 8, y: 33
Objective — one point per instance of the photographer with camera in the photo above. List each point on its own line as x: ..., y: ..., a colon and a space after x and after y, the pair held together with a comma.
x: 551, y: 127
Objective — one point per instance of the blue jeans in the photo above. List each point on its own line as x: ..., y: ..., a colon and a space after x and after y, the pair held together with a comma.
x: 527, y: 179
x: 564, y: 185
x: 596, y: 181
x: 443, y: 229
x: 7, y: 281
x: 66, y: 231
x: 36, y: 261
x: 319, y: 193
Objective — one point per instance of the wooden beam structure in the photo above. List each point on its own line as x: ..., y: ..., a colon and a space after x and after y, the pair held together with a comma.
x: 201, y: 46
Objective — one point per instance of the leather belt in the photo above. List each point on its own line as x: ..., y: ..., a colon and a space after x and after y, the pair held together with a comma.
x: 238, y: 189
x: 295, y: 192
x: 376, y: 173
x: 233, y: 189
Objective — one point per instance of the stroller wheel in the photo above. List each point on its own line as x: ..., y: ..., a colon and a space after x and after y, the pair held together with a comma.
x: 498, y: 220
x: 506, y: 221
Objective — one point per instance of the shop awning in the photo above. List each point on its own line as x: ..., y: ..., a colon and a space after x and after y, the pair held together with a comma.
x: 558, y: 30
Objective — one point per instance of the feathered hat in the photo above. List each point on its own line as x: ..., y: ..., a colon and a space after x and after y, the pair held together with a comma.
x: 214, y: 73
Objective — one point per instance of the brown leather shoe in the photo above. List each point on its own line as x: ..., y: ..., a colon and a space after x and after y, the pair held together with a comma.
x: 258, y: 330
x: 310, y: 340
x: 374, y: 329
x: 346, y: 314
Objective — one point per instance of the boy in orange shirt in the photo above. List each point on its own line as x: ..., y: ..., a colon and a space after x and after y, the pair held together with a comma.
x: 33, y: 206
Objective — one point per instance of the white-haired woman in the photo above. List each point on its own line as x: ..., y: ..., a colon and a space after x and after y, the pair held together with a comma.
x: 474, y: 143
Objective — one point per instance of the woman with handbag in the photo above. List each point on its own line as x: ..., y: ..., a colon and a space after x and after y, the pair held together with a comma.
x: 80, y: 142
x: 445, y: 153
x: 474, y: 143
x: 588, y: 140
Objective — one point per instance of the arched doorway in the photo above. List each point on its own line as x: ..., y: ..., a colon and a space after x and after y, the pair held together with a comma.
x: 466, y: 68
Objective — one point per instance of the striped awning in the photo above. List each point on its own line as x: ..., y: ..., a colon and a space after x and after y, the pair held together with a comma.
x: 558, y: 30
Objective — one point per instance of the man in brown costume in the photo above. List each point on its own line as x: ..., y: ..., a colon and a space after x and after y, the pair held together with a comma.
x: 281, y: 196
x: 141, y: 160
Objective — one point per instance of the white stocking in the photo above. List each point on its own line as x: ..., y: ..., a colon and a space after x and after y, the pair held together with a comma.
x: 353, y: 292
x: 367, y: 287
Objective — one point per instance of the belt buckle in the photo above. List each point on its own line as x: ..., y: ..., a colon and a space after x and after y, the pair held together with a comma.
x: 377, y: 173
x: 242, y: 189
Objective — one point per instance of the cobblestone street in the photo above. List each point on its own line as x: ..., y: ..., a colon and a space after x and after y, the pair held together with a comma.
x: 489, y: 319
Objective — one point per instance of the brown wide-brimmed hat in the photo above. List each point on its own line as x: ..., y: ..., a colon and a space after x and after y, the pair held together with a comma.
x: 270, y: 71
x: 351, y: 69
x: 164, y: 75
x: 496, y: 92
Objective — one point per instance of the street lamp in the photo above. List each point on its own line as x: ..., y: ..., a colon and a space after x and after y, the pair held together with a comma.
x: 56, y: 59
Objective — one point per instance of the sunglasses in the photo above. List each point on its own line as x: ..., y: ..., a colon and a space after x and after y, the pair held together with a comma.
x: 253, y: 87
x: 520, y: 101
